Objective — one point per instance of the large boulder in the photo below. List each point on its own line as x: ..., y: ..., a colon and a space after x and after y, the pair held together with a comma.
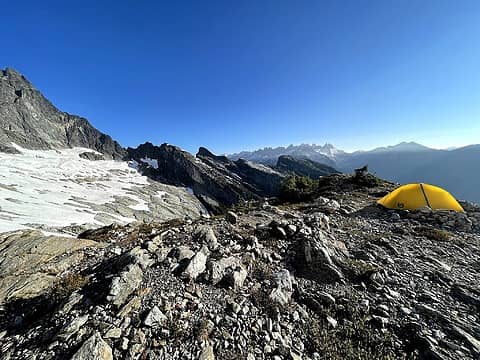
x: 197, y: 264
x: 155, y: 318
x: 236, y: 277
x: 94, y: 348
x: 314, y: 259
x: 218, y: 269
x: 125, y: 284
x: 282, y: 293
x: 206, y: 235
x: 32, y: 261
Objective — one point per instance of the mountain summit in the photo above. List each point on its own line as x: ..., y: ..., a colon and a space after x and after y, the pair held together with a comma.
x: 402, y: 147
x: 29, y: 120
x: 324, y: 154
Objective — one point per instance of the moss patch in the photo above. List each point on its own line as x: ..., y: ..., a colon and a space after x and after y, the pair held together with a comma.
x: 433, y: 234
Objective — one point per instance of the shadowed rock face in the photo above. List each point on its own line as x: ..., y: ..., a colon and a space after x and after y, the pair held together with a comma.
x: 217, y: 181
x: 264, y: 178
x: 304, y: 167
x: 28, y: 119
x: 204, y: 152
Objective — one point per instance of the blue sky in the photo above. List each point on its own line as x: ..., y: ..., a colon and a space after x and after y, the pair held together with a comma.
x: 235, y: 75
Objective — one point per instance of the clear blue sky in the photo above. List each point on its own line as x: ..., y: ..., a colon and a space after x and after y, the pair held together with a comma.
x: 233, y: 75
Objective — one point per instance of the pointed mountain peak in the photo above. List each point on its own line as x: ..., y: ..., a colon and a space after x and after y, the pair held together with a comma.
x: 404, y: 146
x: 31, y: 121
x: 13, y: 73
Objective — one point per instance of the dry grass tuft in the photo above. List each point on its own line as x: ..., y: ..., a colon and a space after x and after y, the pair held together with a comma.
x: 68, y: 284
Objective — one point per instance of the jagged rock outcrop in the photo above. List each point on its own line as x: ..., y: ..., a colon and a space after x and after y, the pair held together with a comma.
x: 215, y: 180
x: 29, y: 120
x: 304, y: 167
x: 204, y: 152
x: 95, y: 348
x: 89, y: 155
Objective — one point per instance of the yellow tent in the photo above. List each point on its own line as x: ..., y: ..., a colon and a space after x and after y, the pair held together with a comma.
x: 416, y: 196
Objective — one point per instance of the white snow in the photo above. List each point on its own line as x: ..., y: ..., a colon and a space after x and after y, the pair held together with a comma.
x: 49, y: 188
x: 133, y: 164
x: 328, y: 150
x: 161, y: 194
x: 141, y: 205
x: 151, y: 162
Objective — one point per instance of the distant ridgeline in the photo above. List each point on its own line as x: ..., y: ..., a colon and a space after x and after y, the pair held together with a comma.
x: 456, y: 170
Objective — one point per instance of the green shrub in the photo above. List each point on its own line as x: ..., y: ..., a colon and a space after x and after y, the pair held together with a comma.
x: 367, y: 180
x: 298, y: 188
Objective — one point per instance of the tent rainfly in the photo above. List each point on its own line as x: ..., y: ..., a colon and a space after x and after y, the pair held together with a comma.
x: 416, y: 196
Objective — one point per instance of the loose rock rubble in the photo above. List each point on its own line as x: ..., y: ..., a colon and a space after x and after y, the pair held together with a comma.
x: 336, y: 278
x: 467, y: 221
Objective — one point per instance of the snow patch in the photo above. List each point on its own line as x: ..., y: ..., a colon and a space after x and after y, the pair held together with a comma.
x: 161, y: 194
x: 151, y: 162
x: 141, y: 204
x: 55, y: 187
x: 133, y: 164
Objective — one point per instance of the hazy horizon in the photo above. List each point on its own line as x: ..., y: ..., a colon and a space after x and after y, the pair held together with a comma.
x: 355, y: 149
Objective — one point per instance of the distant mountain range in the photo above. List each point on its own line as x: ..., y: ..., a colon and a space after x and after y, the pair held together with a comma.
x: 457, y: 170
x: 325, y: 154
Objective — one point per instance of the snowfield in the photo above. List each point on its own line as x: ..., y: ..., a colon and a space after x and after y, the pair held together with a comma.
x: 56, y: 188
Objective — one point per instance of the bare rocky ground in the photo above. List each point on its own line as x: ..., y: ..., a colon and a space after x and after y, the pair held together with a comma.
x: 336, y: 278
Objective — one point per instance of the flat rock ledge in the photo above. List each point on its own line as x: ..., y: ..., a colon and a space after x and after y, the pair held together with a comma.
x: 32, y: 261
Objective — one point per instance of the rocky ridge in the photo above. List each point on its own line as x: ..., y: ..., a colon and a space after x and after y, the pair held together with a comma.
x: 337, y: 277
x: 217, y: 181
x: 407, y: 162
x: 29, y: 120
x: 303, y: 167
